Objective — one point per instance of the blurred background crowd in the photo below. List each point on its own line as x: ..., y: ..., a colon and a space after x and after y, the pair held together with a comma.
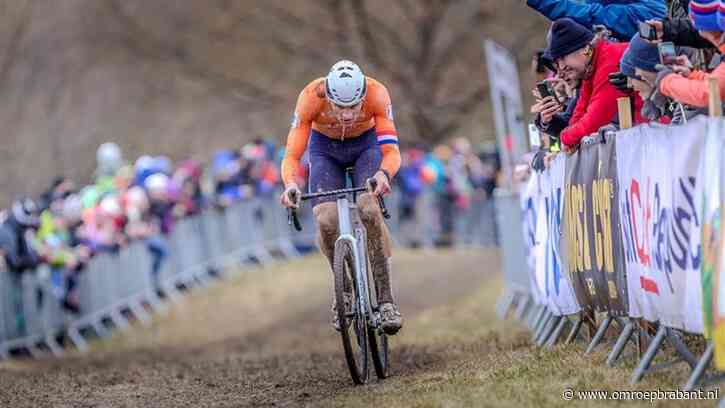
x: 142, y: 199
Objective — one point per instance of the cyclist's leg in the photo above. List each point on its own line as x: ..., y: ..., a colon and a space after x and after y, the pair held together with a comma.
x: 326, y: 173
x: 379, y: 240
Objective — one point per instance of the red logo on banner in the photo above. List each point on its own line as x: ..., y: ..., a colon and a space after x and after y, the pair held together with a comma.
x: 648, y: 285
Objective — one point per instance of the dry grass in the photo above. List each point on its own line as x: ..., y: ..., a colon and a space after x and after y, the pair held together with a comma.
x: 492, y: 363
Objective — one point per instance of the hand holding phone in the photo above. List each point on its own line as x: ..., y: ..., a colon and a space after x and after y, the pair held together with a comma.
x: 668, y: 55
x: 647, y: 31
x: 545, y: 90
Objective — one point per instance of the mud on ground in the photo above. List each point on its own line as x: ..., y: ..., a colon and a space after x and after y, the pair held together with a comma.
x: 262, y: 339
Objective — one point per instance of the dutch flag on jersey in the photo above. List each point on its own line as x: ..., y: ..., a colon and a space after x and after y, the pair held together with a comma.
x: 387, y: 137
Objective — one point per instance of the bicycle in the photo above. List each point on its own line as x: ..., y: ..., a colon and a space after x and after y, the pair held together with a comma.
x: 351, y: 261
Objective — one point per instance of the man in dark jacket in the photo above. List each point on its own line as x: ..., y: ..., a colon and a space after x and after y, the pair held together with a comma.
x: 18, y: 252
x: 578, y: 57
x: 619, y: 16
x: 19, y: 255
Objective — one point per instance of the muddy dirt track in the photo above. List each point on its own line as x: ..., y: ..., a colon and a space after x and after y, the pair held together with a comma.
x: 262, y: 339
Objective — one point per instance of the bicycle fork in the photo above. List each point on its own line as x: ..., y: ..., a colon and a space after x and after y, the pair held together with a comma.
x: 355, y: 238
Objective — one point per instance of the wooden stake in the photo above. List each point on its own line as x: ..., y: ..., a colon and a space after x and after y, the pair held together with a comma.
x: 625, y: 112
x: 715, y: 102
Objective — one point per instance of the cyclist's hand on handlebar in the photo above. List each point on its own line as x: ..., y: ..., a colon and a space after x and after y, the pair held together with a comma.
x: 379, y: 184
x: 290, y: 197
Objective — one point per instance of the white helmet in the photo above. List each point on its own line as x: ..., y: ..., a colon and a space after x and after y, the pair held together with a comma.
x: 157, y: 182
x: 345, y: 84
x: 109, y: 157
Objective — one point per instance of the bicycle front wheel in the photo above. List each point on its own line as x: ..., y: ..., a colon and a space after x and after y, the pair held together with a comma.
x: 353, y: 325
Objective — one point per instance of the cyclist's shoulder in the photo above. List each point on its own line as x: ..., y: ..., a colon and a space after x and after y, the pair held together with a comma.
x: 312, y: 97
x: 377, y: 94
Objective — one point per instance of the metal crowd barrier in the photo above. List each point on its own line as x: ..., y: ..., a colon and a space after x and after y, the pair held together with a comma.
x: 117, y: 287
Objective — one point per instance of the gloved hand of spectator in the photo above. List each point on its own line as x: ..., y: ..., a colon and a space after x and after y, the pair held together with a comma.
x: 538, y: 162
x: 619, y: 81
x: 549, y: 108
x: 604, y: 130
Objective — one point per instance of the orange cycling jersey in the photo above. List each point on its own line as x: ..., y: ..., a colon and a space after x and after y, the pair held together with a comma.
x: 314, y: 111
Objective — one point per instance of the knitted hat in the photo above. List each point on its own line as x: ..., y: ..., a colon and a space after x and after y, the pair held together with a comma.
x: 640, y: 54
x: 705, y: 14
x: 567, y: 36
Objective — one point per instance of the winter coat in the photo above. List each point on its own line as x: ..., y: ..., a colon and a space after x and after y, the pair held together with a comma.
x: 597, y: 104
x: 19, y: 253
x: 693, y: 89
x: 619, y: 16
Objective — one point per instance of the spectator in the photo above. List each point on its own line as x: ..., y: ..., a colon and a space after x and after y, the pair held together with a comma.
x: 59, y: 188
x: 621, y: 17
x: 688, y: 86
x: 16, y: 236
x: 161, y: 217
x: 578, y: 58
x: 188, y: 195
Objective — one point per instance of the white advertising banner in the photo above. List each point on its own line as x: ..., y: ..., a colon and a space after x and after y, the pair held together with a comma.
x: 543, y: 206
x: 659, y: 204
x: 534, y: 237
x: 558, y: 289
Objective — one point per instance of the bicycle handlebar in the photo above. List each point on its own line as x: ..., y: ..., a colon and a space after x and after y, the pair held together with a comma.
x: 292, y: 218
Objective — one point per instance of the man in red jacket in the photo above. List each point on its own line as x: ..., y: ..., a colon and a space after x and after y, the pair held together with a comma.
x: 581, y: 58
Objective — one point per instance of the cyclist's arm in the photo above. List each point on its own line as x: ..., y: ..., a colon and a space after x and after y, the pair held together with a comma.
x: 298, y: 136
x: 385, y: 131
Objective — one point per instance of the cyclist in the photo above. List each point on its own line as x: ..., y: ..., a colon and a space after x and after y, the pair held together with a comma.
x: 346, y: 120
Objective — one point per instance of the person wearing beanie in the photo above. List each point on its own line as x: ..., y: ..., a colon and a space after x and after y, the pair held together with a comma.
x: 578, y: 57
x: 690, y: 87
x: 621, y: 17
x: 639, y: 65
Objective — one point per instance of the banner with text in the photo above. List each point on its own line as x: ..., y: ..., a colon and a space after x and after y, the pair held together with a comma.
x: 594, y: 253
x: 558, y: 288
x: 660, y: 206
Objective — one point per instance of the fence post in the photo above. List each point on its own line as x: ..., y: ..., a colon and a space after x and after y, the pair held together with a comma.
x: 624, y: 107
x: 714, y: 101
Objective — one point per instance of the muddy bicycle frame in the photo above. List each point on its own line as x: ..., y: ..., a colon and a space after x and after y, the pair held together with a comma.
x: 351, y: 229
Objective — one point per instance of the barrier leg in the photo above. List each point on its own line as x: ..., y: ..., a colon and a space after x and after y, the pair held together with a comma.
x: 599, y: 335
x: 521, y: 307
x: 549, y: 330
x: 139, y: 312
x: 532, y: 316
x: 699, y: 372
x: 504, y: 304
x: 53, y: 345
x: 575, y: 329
x: 100, y: 329
x: 621, y: 343
x: 674, y: 339
x: 77, y: 339
x: 563, y: 321
x: 540, y: 319
x: 649, y: 355
x: 543, y: 327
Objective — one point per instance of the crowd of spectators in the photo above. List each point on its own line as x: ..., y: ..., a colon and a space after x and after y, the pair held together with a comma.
x: 67, y: 225
x: 658, y: 53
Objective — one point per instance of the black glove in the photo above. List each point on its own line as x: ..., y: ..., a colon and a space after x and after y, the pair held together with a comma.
x: 619, y: 81
x: 537, y: 163
x: 604, y: 130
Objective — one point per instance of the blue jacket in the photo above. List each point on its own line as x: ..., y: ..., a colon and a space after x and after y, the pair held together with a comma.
x: 619, y: 16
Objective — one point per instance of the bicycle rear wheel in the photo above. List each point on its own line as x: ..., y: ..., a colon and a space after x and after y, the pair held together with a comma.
x: 353, y: 326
